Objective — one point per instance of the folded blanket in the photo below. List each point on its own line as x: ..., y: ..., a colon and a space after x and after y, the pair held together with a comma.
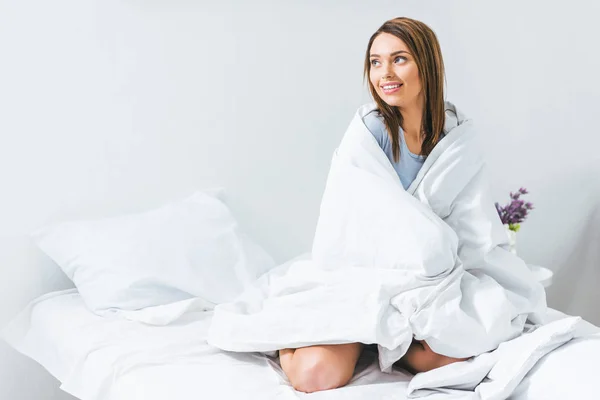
x: 389, y: 264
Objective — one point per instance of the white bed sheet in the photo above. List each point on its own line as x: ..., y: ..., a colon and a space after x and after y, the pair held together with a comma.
x: 99, y: 358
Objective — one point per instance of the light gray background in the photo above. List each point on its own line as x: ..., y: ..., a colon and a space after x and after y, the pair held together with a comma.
x: 109, y: 107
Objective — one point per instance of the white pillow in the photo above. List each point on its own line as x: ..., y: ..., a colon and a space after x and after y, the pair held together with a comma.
x: 188, y: 248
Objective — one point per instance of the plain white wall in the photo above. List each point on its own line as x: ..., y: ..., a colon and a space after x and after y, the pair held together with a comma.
x: 109, y: 107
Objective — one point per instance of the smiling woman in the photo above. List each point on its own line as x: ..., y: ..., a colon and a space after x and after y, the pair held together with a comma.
x: 405, y: 72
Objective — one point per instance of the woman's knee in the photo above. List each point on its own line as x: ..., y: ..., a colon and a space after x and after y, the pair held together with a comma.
x: 420, y: 358
x: 319, y: 368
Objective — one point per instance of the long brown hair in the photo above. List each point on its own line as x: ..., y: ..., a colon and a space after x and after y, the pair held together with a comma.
x: 425, y: 48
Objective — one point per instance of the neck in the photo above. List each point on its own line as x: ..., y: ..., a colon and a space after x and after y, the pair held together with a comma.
x: 411, y: 121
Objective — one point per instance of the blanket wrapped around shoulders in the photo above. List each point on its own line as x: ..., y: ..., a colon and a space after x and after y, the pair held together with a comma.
x: 388, y: 264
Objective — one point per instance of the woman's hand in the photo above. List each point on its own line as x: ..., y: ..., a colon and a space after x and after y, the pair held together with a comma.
x: 420, y: 358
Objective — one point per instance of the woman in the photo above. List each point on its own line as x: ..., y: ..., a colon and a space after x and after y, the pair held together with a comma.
x: 405, y: 72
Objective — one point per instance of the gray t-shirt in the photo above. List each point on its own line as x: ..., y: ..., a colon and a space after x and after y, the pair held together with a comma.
x: 409, y: 164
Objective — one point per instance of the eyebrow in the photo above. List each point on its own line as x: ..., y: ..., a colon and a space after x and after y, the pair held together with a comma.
x: 391, y: 54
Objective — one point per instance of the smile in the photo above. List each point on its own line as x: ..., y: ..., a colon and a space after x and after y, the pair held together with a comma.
x: 391, y: 88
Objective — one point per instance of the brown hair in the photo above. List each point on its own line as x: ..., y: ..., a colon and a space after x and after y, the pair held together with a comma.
x: 425, y: 48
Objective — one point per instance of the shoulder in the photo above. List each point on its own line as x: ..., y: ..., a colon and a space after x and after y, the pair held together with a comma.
x: 374, y: 122
x: 453, y: 117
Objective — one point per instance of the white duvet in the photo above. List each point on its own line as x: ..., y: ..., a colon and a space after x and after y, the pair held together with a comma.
x: 390, y: 264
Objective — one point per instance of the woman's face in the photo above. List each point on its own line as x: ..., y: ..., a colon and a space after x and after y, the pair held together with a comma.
x: 394, y: 73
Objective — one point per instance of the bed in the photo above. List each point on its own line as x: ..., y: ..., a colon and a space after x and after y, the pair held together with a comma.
x: 148, y: 287
x: 113, y: 358
x: 109, y: 358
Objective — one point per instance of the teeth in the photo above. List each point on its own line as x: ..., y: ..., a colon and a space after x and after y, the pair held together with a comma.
x: 388, y: 87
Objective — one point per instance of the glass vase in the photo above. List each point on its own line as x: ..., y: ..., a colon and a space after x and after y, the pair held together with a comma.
x: 512, y: 240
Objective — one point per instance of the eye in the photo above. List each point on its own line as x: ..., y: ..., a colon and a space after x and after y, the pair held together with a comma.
x: 374, y: 62
x: 397, y: 59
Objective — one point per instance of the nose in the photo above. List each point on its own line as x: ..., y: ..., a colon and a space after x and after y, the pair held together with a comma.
x: 387, y: 72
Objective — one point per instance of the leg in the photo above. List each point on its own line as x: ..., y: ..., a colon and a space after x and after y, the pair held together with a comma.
x: 420, y: 358
x: 314, y: 368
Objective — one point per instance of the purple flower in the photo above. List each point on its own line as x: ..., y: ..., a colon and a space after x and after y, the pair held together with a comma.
x: 516, y: 211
